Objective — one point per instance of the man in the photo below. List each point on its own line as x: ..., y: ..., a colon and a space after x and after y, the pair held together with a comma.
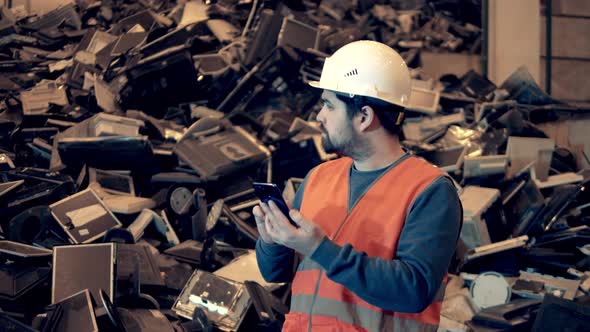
x: 378, y: 227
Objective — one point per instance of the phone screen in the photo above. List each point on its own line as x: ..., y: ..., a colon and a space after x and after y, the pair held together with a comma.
x: 270, y: 192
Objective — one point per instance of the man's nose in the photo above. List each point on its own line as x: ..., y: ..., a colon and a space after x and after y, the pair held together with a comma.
x: 320, y: 116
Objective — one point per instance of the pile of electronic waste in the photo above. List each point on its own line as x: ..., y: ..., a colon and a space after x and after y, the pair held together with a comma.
x: 131, y: 133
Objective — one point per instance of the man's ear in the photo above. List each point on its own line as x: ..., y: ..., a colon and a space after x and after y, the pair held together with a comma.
x: 367, y: 119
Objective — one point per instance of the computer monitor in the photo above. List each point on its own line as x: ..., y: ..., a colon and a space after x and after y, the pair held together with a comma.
x: 521, y: 201
x: 112, y: 182
x: 448, y: 160
x: 211, y: 64
x: 78, y: 267
x: 144, y: 320
x: 8, y: 186
x: 551, y: 211
x: 25, y: 268
x: 475, y: 85
x: 78, y: 313
x: 124, y: 152
x: 84, y: 216
x: 299, y: 35
x: 9, y: 324
x: 558, y: 314
x: 130, y: 254
x: 222, y: 153
x: 226, y: 302
x: 424, y: 101
x: 22, y: 250
x: 189, y: 251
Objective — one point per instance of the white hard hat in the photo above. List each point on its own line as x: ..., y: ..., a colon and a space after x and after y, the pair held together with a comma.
x: 367, y: 68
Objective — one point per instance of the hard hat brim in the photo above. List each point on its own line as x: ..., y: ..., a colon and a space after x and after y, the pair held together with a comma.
x: 318, y: 85
x: 315, y: 84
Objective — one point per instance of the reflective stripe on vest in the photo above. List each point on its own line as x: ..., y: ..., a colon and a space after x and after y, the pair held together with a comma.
x: 316, y: 296
x: 313, y: 270
x: 369, y: 320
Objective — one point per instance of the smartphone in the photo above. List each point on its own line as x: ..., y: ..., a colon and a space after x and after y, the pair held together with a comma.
x: 270, y: 192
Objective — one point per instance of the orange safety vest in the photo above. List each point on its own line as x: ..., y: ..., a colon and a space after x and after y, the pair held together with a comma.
x: 373, y: 226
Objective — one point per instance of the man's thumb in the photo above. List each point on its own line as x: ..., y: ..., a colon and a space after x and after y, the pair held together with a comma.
x: 297, y: 217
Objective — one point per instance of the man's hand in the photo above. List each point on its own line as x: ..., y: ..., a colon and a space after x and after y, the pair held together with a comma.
x: 304, y: 239
x: 260, y: 218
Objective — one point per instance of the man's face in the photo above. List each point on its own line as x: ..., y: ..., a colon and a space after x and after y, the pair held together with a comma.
x: 338, y: 132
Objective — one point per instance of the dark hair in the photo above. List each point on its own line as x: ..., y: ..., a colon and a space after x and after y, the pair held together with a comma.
x: 386, y: 113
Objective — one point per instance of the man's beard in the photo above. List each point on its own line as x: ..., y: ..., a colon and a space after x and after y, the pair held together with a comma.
x: 327, y: 144
x: 350, y: 145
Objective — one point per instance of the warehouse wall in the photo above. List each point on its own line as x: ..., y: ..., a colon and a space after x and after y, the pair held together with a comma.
x: 513, y: 38
x: 437, y: 64
x: 570, y: 50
